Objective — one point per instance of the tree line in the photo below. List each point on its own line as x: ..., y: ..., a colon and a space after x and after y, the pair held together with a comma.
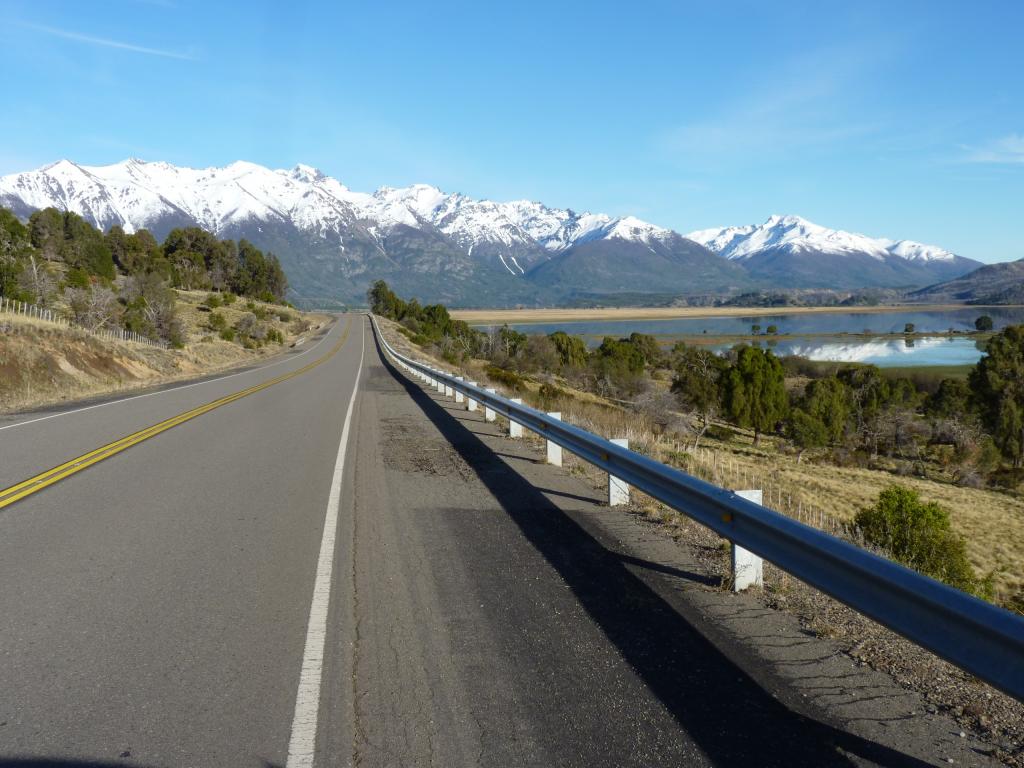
x: 116, y: 279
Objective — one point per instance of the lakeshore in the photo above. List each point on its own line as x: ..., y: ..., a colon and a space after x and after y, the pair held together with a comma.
x: 555, y: 315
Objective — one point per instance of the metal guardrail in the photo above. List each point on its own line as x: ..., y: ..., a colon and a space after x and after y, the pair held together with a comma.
x: 977, y: 636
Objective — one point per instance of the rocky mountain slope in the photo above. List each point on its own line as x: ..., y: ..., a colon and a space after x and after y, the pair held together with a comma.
x: 990, y: 284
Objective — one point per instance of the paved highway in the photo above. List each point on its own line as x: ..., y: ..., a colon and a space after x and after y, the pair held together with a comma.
x: 341, y: 568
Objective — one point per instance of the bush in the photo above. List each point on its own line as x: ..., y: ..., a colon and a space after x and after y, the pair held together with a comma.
x: 217, y: 321
x: 918, y: 535
x: 228, y: 334
x: 77, y: 278
x: 275, y: 336
x: 213, y: 301
x: 510, y: 379
x: 228, y: 299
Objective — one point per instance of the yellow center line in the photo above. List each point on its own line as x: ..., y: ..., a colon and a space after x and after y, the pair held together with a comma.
x: 61, y: 471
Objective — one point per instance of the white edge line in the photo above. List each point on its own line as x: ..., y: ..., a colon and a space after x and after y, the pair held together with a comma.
x: 169, y: 389
x: 302, y: 744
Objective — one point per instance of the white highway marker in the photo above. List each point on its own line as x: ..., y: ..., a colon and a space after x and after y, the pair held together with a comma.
x: 302, y: 745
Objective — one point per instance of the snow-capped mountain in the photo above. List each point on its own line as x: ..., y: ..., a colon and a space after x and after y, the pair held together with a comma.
x: 135, y: 194
x: 798, y: 252
x: 333, y: 241
x: 797, y: 234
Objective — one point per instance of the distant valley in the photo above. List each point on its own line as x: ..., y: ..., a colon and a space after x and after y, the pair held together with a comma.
x: 333, y: 241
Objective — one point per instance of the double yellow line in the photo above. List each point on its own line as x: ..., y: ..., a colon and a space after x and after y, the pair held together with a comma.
x: 45, y: 479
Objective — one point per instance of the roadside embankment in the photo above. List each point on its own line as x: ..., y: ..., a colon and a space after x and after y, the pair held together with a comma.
x: 43, y: 363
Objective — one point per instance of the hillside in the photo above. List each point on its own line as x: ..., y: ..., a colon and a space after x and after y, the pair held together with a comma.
x: 991, y: 284
x: 43, y: 363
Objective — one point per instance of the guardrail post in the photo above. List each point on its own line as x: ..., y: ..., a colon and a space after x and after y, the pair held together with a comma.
x: 554, y: 449
x: 470, y: 402
x: 459, y: 397
x: 489, y: 414
x: 747, y: 568
x: 438, y: 384
x: 618, y: 489
x: 515, y: 429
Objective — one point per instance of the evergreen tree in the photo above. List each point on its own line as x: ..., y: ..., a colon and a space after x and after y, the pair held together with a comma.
x: 997, y: 383
x: 572, y: 350
x: 754, y: 394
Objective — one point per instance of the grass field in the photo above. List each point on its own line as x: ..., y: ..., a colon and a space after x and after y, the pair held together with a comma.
x: 518, y: 316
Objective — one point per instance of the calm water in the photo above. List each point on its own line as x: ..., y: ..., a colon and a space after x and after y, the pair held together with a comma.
x: 826, y: 327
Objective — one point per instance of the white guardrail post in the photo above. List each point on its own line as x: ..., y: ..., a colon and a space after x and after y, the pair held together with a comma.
x: 515, y: 429
x: 554, y: 450
x: 459, y: 397
x: 977, y: 636
x: 489, y: 414
x: 747, y: 568
x: 618, y: 489
x: 470, y: 402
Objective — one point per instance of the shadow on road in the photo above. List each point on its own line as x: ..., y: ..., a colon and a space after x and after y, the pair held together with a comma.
x: 724, y: 710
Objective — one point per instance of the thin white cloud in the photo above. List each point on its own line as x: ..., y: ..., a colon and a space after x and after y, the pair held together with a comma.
x: 106, y: 43
x: 1007, y: 150
x: 814, y: 99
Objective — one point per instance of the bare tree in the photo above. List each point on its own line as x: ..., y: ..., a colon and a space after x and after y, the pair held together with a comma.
x: 38, y: 281
x: 93, y: 309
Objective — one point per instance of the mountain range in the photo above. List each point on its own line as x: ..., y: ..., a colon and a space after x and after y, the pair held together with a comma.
x: 334, y: 241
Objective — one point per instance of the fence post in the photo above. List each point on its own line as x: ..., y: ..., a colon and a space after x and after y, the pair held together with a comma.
x: 448, y: 390
x: 515, y: 429
x: 618, y: 489
x: 554, y: 449
x: 459, y: 397
x: 489, y: 414
x: 470, y: 402
x: 747, y: 568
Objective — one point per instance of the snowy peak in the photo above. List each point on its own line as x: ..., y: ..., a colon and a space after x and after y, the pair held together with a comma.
x: 794, y: 234
x: 134, y: 194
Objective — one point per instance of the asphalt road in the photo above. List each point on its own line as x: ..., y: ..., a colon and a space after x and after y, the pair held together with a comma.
x: 157, y: 605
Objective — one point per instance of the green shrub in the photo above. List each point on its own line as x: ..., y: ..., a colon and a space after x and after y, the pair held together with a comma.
x: 718, y: 432
x: 213, y: 301
x: 918, y: 534
x: 548, y: 395
x: 275, y: 336
x: 228, y: 299
x: 228, y: 334
x: 510, y: 379
x: 217, y: 321
x: 77, y: 278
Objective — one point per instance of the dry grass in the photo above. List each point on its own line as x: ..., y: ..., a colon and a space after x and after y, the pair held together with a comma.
x: 517, y: 316
x: 44, y: 363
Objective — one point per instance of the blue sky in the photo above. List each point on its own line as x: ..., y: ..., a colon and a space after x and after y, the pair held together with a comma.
x: 900, y: 119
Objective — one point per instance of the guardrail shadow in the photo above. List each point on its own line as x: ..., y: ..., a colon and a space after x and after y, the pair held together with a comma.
x: 724, y: 710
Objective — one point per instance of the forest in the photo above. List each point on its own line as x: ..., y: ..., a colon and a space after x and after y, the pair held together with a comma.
x: 121, y: 280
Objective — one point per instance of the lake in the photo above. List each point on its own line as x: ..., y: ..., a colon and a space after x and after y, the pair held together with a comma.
x: 818, y: 336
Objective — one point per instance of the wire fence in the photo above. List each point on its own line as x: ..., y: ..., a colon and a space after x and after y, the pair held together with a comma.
x: 24, y: 309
